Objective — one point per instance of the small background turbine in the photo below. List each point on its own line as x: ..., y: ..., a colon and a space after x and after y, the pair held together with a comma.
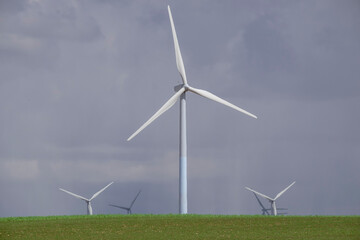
x: 271, y: 200
x: 88, y: 201
x: 128, y: 209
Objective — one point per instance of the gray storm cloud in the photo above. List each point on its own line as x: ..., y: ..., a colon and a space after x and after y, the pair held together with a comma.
x: 78, y: 77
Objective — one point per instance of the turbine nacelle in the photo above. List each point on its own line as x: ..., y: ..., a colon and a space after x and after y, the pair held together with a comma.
x: 180, y: 86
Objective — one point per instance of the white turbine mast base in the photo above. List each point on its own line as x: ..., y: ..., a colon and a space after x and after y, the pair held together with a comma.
x: 181, y: 93
x: 89, y: 208
x: 273, y: 208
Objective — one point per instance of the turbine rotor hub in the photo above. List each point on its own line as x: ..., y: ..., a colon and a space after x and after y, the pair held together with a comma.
x: 180, y: 86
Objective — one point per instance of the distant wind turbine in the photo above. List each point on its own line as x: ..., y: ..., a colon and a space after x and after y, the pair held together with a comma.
x: 271, y: 200
x: 180, y: 93
x: 88, y: 201
x: 128, y: 209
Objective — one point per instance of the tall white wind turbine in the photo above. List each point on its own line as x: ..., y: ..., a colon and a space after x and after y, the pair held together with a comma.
x: 128, y: 209
x: 271, y: 200
x: 88, y: 201
x: 180, y: 94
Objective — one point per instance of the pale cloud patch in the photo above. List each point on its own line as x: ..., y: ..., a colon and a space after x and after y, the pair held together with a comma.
x: 161, y: 169
x: 21, y: 43
x: 165, y: 168
x: 19, y: 169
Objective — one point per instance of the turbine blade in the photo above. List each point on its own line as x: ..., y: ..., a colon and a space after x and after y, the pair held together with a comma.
x: 132, y: 203
x: 215, y: 98
x: 163, y: 109
x: 280, y: 193
x: 125, y: 208
x: 179, y: 60
x: 96, y: 194
x: 73, y: 194
x: 260, y: 194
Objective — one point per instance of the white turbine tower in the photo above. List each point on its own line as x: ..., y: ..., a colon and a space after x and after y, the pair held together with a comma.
x: 271, y: 200
x: 180, y: 93
x: 88, y: 201
x: 128, y: 209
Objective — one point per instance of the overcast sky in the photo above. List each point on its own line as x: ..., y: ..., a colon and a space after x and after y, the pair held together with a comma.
x: 77, y: 78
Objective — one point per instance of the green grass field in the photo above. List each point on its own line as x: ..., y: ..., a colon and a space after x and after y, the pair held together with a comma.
x: 180, y: 227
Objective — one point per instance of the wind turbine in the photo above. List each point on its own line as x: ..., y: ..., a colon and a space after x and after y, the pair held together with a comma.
x: 128, y: 209
x: 271, y: 200
x: 180, y: 93
x: 88, y: 201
